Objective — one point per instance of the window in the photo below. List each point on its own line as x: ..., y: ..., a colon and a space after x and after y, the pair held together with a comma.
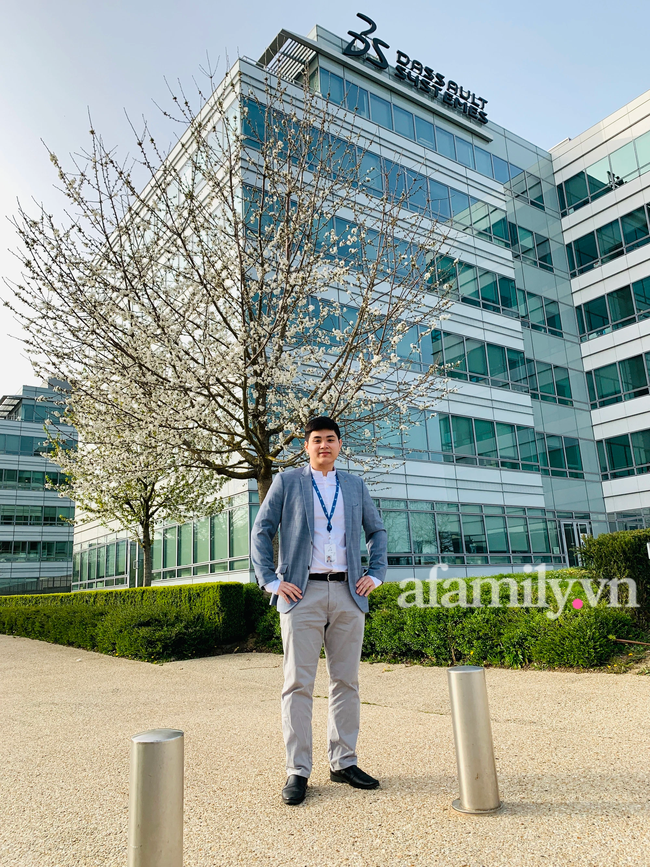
x: 518, y: 535
x: 463, y: 435
x: 185, y: 545
x: 623, y: 161
x: 239, y: 532
x: 403, y: 122
x: 635, y: 227
x: 641, y: 448
x: 483, y: 161
x: 641, y: 291
x: 586, y: 252
x: 424, y: 132
x: 202, y: 540
x: 423, y: 532
x: 449, y: 533
x: 219, y: 541
x: 465, y: 152
x: 331, y: 86
x: 486, y: 442
x: 619, y: 453
x: 397, y: 531
x: 356, y: 99
x: 614, y: 310
x: 610, y: 242
x: 169, y: 547
x: 446, y: 143
x: 474, y: 534
x: 417, y: 192
x: 371, y: 174
x: 507, y: 441
x: 575, y: 190
x: 501, y: 171
x: 440, y: 206
x: 620, y: 304
x: 624, y: 455
x: 615, y: 382
x: 380, y: 111
x: 606, y: 175
x: 618, y: 237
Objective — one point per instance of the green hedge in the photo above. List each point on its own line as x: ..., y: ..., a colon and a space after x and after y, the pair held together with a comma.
x: 222, y: 603
x: 151, y: 623
x: 159, y: 624
x: 509, y: 637
x: 618, y: 556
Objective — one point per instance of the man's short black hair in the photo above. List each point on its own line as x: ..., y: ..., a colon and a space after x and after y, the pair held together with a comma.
x: 323, y: 422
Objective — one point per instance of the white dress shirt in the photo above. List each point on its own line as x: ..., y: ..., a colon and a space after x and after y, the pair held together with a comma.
x: 327, y: 487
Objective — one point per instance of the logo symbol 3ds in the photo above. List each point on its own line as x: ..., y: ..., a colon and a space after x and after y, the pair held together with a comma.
x: 361, y: 51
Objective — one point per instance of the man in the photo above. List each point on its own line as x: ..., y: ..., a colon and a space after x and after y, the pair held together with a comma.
x: 322, y: 596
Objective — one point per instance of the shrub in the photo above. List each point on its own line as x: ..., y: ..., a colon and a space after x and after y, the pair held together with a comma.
x: 267, y: 633
x: 580, y: 639
x: 160, y: 624
x: 511, y: 637
x: 618, y: 556
x: 222, y: 603
x: 155, y: 634
x: 76, y: 627
x: 256, y: 606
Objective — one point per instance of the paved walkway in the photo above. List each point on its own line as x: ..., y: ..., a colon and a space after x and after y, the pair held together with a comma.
x: 573, y: 754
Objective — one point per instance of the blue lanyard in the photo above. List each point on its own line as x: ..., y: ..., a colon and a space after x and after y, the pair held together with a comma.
x: 322, y: 502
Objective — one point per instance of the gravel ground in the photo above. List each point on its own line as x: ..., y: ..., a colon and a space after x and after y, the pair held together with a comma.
x: 573, y: 755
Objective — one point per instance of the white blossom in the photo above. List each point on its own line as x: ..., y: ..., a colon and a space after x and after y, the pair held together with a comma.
x: 188, y: 300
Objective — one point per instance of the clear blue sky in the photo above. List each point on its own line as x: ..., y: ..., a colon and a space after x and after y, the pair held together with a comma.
x: 549, y: 70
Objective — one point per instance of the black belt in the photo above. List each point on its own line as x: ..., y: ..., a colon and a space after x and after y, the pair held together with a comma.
x: 328, y: 576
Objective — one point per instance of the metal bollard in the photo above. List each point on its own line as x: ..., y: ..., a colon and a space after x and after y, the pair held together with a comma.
x: 156, y: 799
x: 470, y: 718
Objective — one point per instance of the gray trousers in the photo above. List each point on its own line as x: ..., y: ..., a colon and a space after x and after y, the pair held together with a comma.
x: 326, y: 614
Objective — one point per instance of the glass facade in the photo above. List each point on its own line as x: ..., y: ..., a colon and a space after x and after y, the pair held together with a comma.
x: 17, y: 444
x: 108, y: 562
x: 19, y: 551
x: 449, y: 205
x: 471, y: 534
x: 42, y: 516
x: 419, y: 533
x: 28, y: 480
x: 624, y: 455
x: 467, y: 358
x: 499, y: 293
x: 632, y: 520
x: 606, y: 175
x: 203, y: 547
x: 443, y: 438
x: 607, y: 167
x: 615, y: 310
x: 614, y: 239
x: 431, y: 135
x: 622, y: 380
x: 36, y: 532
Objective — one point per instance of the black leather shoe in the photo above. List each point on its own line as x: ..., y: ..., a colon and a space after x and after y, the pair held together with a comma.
x: 354, y: 776
x: 295, y: 790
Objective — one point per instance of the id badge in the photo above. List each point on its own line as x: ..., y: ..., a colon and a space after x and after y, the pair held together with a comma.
x: 330, y: 553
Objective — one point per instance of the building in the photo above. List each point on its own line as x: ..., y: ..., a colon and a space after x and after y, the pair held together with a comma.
x: 516, y: 465
x: 603, y: 179
x: 36, y: 535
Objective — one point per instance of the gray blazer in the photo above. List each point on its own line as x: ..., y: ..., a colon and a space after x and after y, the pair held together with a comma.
x: 290, y: 503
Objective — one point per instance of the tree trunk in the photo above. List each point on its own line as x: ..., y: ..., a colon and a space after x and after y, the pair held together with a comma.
x: 264, y: 480
x: 147, y: 550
